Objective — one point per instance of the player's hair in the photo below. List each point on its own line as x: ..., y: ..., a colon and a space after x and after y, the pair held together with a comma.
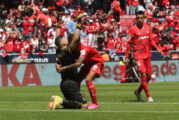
x: 140, y: 13
x: 58, y: 41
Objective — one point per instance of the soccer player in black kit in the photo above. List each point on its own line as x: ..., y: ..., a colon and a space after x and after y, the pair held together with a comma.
x: 75, y: 99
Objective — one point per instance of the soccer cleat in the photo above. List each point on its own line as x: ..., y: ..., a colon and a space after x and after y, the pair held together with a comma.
x: 139, y: 98
x: 150, y: 100
x: 50, y: 103
x: 93, y: 106
x: 57, y: 102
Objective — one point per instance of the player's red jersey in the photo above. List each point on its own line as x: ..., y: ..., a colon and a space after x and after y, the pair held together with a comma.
x: 91, y: 55
x: 141, y: 40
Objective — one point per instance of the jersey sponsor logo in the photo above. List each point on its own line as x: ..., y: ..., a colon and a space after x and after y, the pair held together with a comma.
x: 144, y: 37
x: 82, y: 52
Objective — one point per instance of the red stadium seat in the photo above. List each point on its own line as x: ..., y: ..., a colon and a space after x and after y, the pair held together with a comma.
x: 122, y: 21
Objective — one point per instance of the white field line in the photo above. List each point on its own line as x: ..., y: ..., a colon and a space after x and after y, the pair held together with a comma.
x: 85, y: 111
x: 102, y: 103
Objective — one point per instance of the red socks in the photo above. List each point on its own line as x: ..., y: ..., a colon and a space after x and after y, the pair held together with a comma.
x: 141, y: 86
x: 144, y: 84
x: 92, y: 91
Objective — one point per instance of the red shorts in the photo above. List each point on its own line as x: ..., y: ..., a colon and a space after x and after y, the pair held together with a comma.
x: 144, y: 65
x: 97, y: 68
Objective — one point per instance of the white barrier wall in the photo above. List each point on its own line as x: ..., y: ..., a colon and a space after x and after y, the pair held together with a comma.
x: 45, y: 74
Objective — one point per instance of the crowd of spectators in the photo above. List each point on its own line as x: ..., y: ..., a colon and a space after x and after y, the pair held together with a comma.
x: 31, y: 27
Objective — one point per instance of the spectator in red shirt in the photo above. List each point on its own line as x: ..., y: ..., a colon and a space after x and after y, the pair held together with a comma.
x: 119, y: 43
x: 164, y: 2
x: 111, y: 43
x: 149, y: 12
x: 164, y: 48
x: 9, y: 44
x: 78, y: 10
x: 91, y: 33
x: 175, y: 41
x: 44, y: 17
x: 27, y: 45
x: 116, y: 10
x: 17, y: 45
x: 170, y: 20
x: 63, y: 29
x: 26, y: 25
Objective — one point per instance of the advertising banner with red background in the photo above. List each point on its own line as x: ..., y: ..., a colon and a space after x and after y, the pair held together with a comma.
x: 45, y: 74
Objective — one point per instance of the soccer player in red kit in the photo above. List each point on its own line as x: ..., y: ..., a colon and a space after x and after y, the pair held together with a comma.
x: 93, y: 65
x: 140, y: 36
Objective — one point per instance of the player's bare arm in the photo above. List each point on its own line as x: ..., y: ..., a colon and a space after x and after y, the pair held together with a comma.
x: 76, y: 36
x: 58, y: 16
x: 58, y: 67
x: 74, y: 65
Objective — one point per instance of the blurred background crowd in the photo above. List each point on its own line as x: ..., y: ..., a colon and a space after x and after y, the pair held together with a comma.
x: 29, y: 26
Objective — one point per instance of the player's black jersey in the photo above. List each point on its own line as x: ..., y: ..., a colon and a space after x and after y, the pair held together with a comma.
x: 64, y: 58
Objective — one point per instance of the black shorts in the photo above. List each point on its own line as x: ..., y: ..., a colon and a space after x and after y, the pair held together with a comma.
x: 71, y: 91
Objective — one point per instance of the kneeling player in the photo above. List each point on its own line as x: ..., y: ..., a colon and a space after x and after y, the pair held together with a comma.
x: 75, y: 99
x: 93, y: 65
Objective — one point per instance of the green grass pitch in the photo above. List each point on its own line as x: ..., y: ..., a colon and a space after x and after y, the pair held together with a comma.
x: 116, y: 102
